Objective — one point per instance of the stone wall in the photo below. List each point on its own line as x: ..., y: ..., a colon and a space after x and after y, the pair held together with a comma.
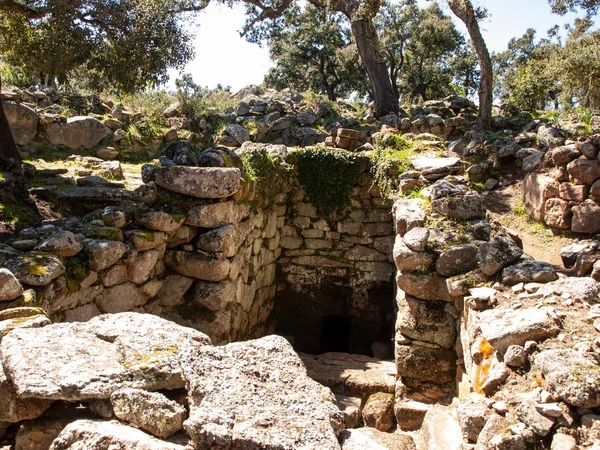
x: 564, y: 192
x: 211, y: 267
x: 335, y: 289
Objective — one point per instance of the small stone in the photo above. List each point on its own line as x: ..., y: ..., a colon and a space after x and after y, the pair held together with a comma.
x: 10, y: 287
x: 150, y: 411
x: 62, y: 243
x: 379, y: 411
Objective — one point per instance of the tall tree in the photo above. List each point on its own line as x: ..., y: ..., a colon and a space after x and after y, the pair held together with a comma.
x: 463, y: 9
x: 564, y: 6
x: 305, y: 52
x: 130, y: 42
x: 361, y: 15
x: 10, y: 158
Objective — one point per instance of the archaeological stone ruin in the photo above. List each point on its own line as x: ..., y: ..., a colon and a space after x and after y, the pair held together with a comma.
x: 274, y: 295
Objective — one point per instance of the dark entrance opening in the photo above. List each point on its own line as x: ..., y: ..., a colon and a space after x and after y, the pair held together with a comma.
x: 335, y: 334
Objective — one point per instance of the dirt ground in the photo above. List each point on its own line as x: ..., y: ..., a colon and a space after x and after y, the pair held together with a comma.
x: 506, y: 206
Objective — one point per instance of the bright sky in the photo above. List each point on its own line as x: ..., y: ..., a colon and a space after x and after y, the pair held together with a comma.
x: 222, y: 56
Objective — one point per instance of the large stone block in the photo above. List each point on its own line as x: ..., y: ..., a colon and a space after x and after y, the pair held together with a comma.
x: 586, y: 217
x: 200, y: 182
x: 76, y: 132
x: 200, y: 265
x: 23, y: 121
x: 537, y: 188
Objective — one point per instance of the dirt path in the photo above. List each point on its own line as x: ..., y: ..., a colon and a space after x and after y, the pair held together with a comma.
x: 539, y: 241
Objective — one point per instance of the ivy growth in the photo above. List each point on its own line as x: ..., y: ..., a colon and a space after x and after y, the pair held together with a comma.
x: 328, y: 177
x: 261, y: 167
x: 392, y: 158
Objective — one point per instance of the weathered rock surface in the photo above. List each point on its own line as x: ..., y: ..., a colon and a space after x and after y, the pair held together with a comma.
x: 150, y: 411
x: 212, y: 215
x: 23, y: 122
x: 104, y: 253
x: 425, y: 321
x: 356, y: 375
x: 372, y: 439
x: 572, y: 377
x: 254, y: 395
x: 463, y: 207
x: 379, y: 411
x: 76, y: 132
x: 472, y: 414
x: 10, y: 288
x: 441, y: 430
x: 200, y: 182
x: 200, y: 265
x: 36, y: 268
x: 582, y: 289
x: 529, y: 271
x: 505, y: 327
x: 77, y: 361
x: 498, y: 253
x: 62, y: 243
x: 13, y: 408
x: 103, y: 435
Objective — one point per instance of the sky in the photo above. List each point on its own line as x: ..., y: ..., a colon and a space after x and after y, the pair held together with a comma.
x: 222, y: 56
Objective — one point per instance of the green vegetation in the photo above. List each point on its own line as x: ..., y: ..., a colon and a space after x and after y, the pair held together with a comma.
x: 392, y: 158
x: 77, y: 270
x: 328, y: 177
x: 262, y: 168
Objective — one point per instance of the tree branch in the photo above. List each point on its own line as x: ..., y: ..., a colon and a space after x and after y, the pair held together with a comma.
x: 18, y: 8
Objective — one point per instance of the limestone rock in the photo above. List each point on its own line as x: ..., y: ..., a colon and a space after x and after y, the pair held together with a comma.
x: 160, y: 221
x: 150, y: 411
x: 584, y: 289
x: 515, y: 356
x: 10, y: 288
x: 147, y: 240
x: 496, y: 436
x: 254, y: 395
x: 13, y: 408
x: 239, y: 133
x: 463, y: 207
x: 537, y: 188
x: 141, y: 269
x: 527, y: 413
x: 76, y: 132
x: 212, y: 215
x: 173, y: 289
x: 104, y: 253
x: 505, y: 327
x: 456, y: 260
x: 350, y: 407
x: 79, y: 361
x: 372, y: 439
x: 425, y: 321
x: 550, y: 136
x: 182, y: 236
x: 586, y: 217
x: 432, y: 365
x: 572, y: 377
x: 356, y: 375
x: 441, y: 430
x: 103, y: 435
x: 472, y: 414
x: 200, y: 265
x: 379, y: 411
x: 36, y: 268
x: 497, y: 254
x: 416, y: 239
x: 408, y: 259
x: 62, y: 243
x: 23, y: 122
x: 409, y: 214
x: 424, y: 287
x: 200, y: 182
x: 496, y: 378
x: 528, y: 272
x: 31, y: 321
x: 213, y: 296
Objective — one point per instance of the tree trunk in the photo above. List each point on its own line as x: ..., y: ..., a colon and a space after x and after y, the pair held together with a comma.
x: 463, y: 9
x: 369, y: 50
x: 10, y: 158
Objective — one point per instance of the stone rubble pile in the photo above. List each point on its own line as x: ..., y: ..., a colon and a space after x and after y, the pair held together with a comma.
x: 73, y: 386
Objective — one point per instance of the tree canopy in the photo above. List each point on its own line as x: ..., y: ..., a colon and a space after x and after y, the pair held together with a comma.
x: 129, y: 42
